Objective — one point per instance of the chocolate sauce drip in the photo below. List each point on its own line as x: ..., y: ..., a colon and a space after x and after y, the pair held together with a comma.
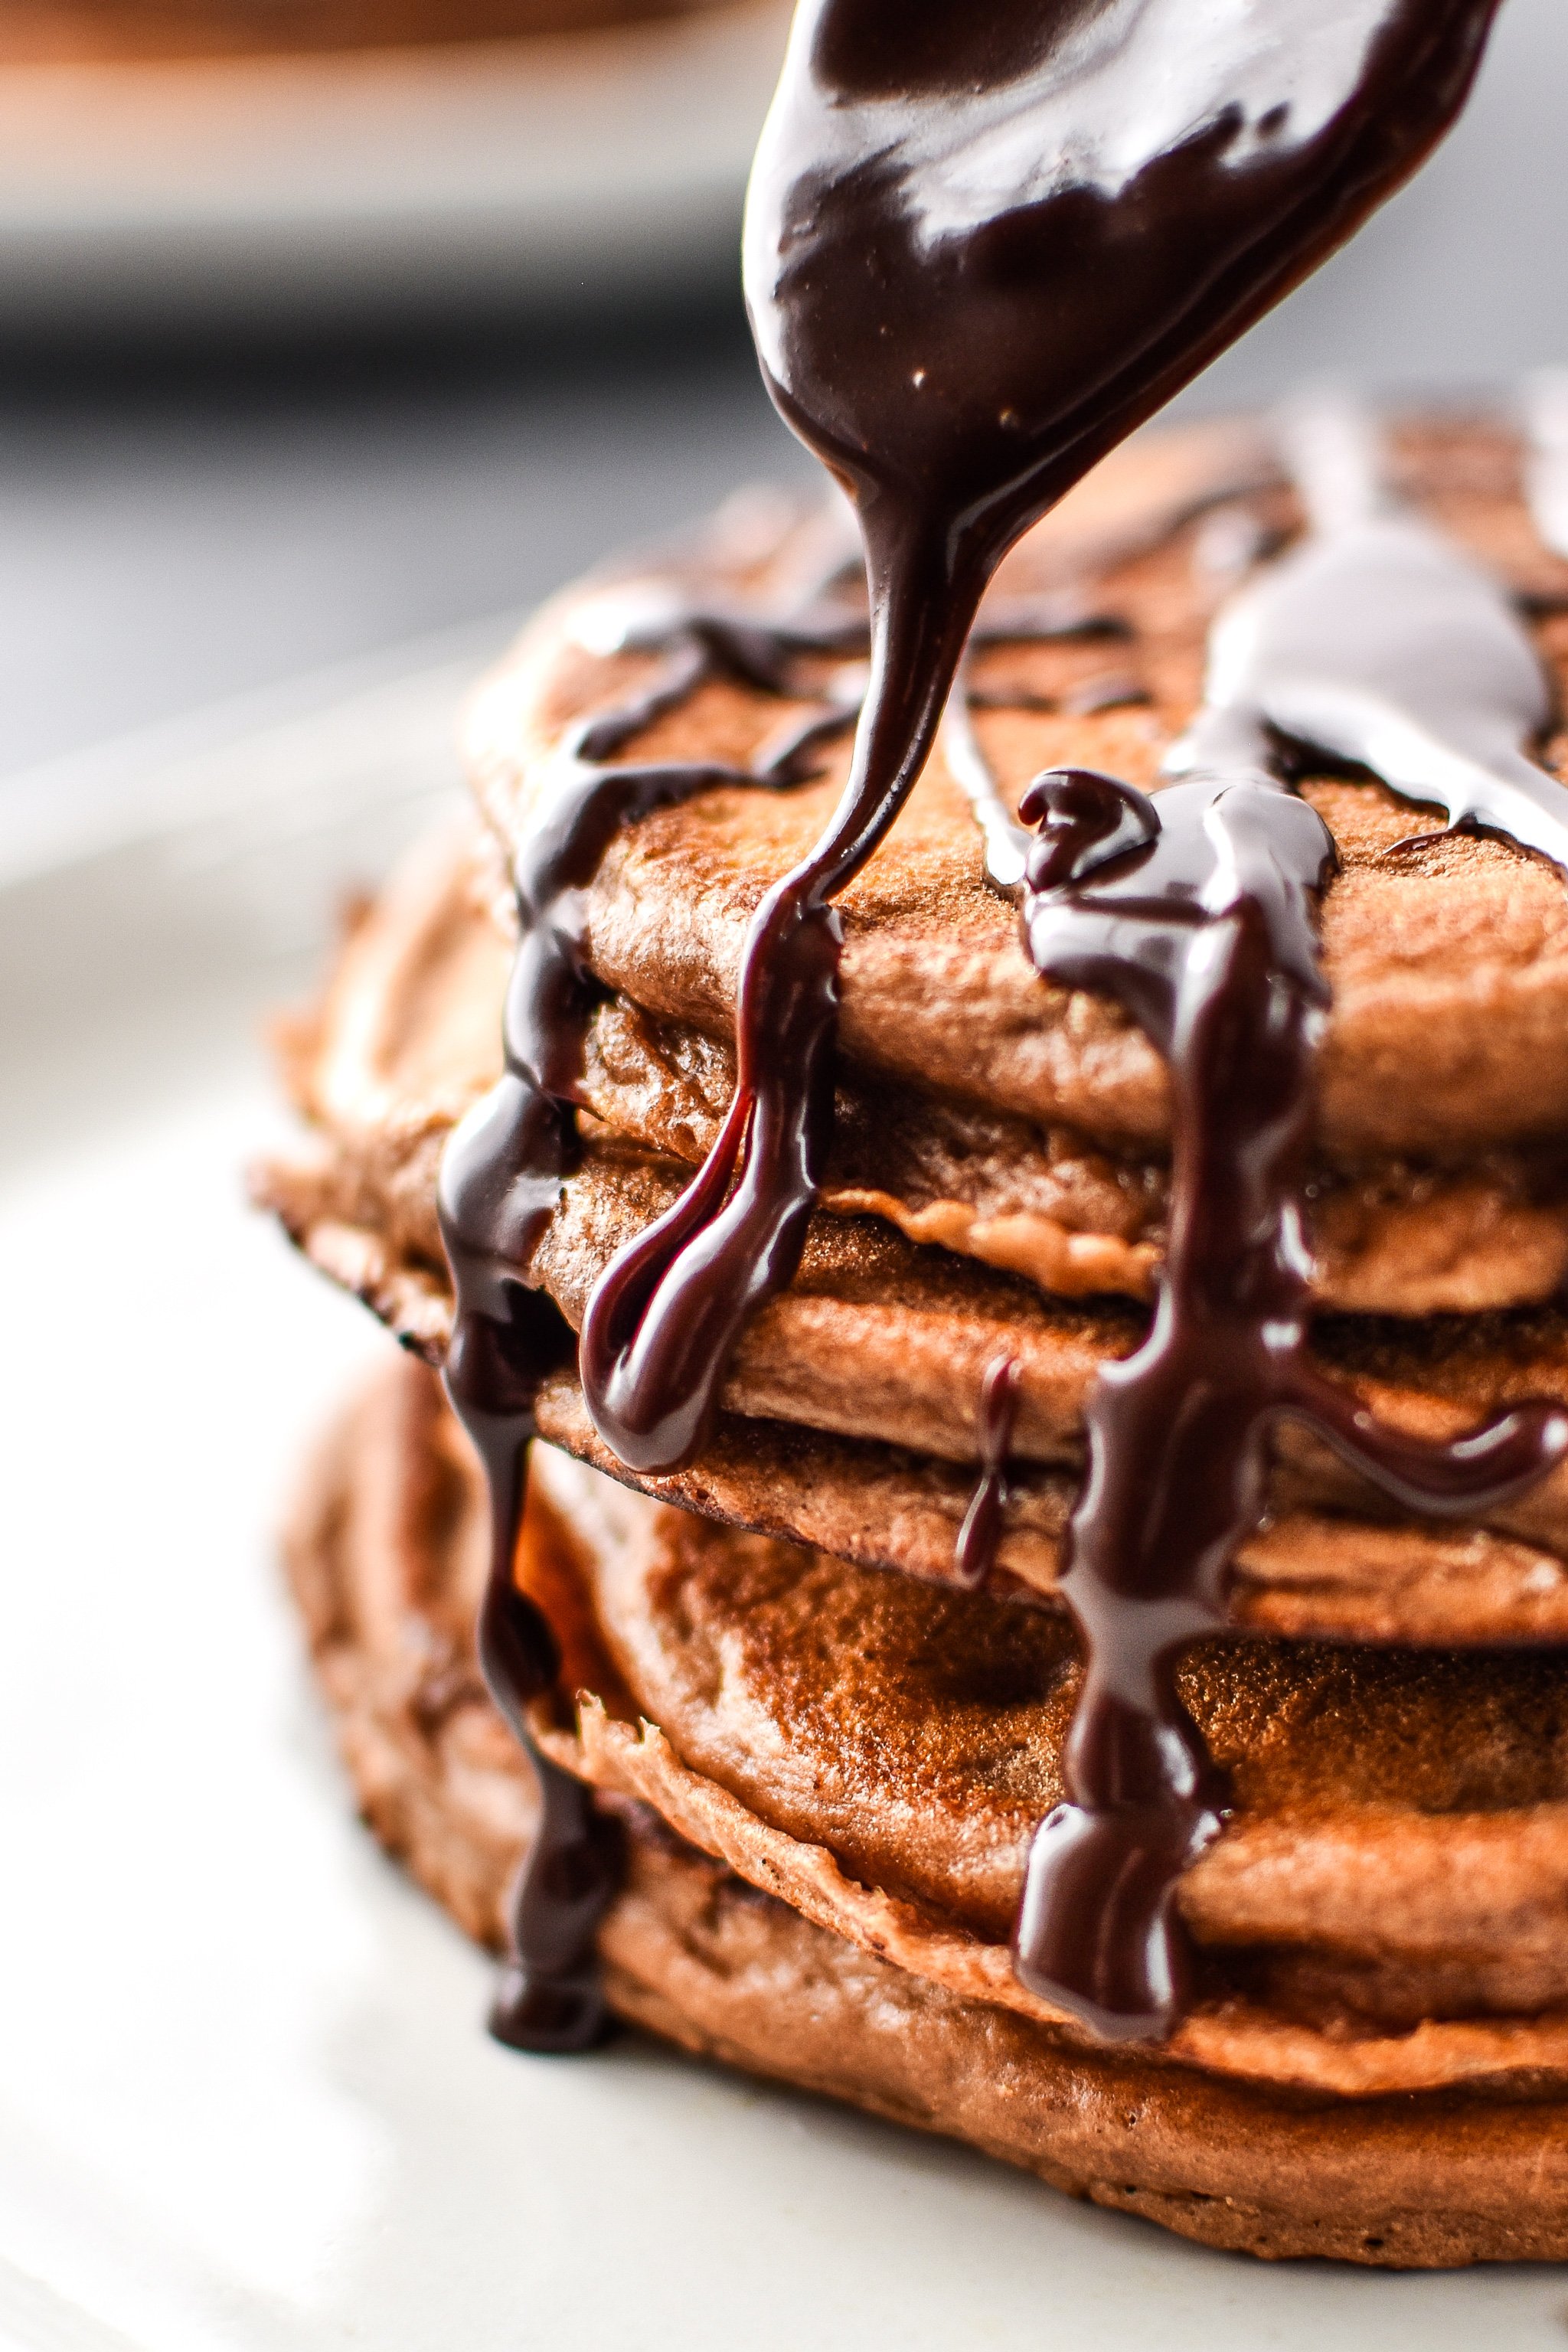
x: 663, y: 1318
x: 502, y: 1172
x: 980, y: 1537
x: 1379, y: 645
x: 1194, y: 912
x: 547, y: 1998
x: 981, y: 246
x: 501, y: 1181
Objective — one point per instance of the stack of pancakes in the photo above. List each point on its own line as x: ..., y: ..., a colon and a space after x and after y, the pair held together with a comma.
x: 826, y: 1753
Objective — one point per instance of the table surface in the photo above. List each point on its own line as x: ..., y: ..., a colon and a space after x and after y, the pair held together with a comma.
x: 179, y: 529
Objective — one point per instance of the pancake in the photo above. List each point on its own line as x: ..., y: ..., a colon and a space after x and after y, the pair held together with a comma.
x: 884, y: 1342
x: 1448, y: 963
x: 815, y: 1900
x: 979, y: 1111
x: 408, y: 1037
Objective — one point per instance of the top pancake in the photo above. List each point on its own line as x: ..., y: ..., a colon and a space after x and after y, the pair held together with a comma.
x: 954, y: 1225
x: 1448, y: 963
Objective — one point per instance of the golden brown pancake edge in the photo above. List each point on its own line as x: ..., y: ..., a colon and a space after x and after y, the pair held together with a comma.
x: 1467, y: 2174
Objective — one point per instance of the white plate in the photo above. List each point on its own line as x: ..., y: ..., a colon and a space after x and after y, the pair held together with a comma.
x: 289, y: 187
x: 246, y: 2101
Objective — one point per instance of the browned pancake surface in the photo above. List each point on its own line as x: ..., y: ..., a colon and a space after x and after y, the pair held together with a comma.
x: 385, y: 1552
x: 1400, y: 1846
x: 1449, y: 965
x: 408, y: 1034
x: 882, y: 1342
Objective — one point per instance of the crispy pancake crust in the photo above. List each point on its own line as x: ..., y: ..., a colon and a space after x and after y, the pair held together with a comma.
x: 385, y: 1556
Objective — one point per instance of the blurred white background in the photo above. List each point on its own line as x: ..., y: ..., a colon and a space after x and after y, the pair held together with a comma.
x: 185, y: 519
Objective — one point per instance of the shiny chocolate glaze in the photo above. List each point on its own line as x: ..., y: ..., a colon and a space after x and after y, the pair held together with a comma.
x: 1377, y: 643
x: 981, y: 246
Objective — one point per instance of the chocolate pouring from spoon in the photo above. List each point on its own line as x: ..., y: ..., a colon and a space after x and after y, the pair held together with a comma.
x: 978, y: 251
x: 982, y: 245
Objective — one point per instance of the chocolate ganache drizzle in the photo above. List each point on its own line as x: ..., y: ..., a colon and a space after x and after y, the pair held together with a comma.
x: 501, y: 1181
x: 501, y: 1174
x: 980, y: 1537
x: 1374, y: 643
x: 982, y: 245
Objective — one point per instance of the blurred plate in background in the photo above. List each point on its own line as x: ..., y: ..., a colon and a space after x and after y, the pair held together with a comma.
x: 302, y: 189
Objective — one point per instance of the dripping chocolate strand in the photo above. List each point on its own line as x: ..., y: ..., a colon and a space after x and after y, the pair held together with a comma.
x: 548, y: 1997
x: 959, y: 322
x: 981, y: 247
x: 1195, y: 911
x: 664, y: 1316
x: 980, y: 1537
x: 501, y: 1181
x: 502, y: 1175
